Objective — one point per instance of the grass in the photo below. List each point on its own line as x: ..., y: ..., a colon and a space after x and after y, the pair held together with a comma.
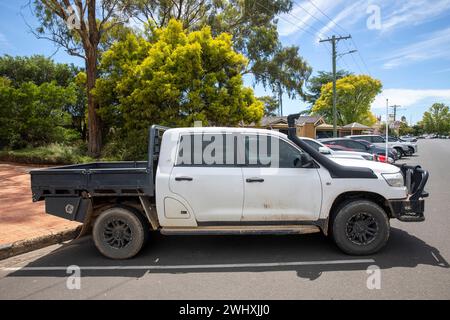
x: 51, y: 154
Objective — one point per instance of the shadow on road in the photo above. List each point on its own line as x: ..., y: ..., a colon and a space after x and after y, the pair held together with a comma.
x: 403, y: 250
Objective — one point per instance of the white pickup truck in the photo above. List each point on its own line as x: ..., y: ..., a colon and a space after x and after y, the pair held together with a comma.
x: 232, y: 181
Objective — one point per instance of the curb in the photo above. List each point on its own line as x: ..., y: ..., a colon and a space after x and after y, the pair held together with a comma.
x: 23, y: 246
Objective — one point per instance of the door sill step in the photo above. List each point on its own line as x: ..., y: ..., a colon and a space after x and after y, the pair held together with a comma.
x: 244, y: 230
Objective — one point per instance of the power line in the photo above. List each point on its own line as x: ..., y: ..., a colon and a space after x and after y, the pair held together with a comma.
x: 345, y: 31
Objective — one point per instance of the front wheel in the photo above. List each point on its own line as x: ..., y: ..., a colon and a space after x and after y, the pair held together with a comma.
x: 120, y: 233
x: 360, y: 227
x: 400, y: 152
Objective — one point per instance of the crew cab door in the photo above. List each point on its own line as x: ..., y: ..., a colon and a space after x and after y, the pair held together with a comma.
x: 211, y: 186
x: 279, y: 191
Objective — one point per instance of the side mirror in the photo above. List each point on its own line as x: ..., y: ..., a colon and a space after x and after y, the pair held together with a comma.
x: 324, y: 150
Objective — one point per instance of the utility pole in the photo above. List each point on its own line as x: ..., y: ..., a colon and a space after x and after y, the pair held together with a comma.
x: 334, y: 40
x: 387, y: 130
x: 280, y: 100
x: 395, y: 107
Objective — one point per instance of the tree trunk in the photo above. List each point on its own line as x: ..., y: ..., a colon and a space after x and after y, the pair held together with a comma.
x: 94, y: 121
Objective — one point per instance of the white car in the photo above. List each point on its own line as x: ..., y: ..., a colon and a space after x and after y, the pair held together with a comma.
x: 212, y: 180
x: 319, y: 146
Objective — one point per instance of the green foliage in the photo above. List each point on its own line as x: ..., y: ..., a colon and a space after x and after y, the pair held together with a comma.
x: 271, y: 105
x: 404, y: 129
x: 437, y: 119
x: 33, y: 114
x: 54, y: 153
x: 173, y: 77
x: 314, y: 85
x: 253, y: 26
x: 355, y: 93
x: 37, y: 69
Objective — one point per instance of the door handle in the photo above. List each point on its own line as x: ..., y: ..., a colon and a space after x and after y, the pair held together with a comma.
x: 183, y: 178
x: 249, y: 180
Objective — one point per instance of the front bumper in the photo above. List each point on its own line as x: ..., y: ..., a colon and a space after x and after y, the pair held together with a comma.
x: 408, y: 210
x: 413, y: 207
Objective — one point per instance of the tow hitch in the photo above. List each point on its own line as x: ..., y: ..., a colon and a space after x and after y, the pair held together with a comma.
x: 411, y: 209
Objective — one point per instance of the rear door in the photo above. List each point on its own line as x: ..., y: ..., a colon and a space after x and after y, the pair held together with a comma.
x: 276, y: 190
x: 203, y: 177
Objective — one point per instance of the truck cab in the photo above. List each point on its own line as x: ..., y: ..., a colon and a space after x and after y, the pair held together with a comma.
x: 233, y: 181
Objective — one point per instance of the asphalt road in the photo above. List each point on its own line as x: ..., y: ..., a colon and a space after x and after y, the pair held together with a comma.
x: 414, y: 264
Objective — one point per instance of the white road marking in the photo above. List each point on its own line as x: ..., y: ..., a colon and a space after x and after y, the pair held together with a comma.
x: 199, y: 266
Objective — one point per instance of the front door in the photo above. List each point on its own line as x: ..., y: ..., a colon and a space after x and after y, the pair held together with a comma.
x: 278, y: 191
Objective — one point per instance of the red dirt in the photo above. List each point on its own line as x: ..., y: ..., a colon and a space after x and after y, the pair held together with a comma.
x: 20, y: 218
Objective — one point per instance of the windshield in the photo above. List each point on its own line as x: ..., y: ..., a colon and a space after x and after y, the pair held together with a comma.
x: 313, y: 144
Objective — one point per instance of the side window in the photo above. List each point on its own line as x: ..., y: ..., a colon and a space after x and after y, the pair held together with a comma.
x: 267, y: 151
x: 288, y: 155
x: 377, y: 139
x: 205, y: 150
x: 355, y: 145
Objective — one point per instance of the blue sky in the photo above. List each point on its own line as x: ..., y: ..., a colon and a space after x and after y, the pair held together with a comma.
x: 405, y: 44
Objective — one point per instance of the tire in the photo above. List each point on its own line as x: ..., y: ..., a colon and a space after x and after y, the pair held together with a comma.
x: 350, y: 222
x: 400, y: 152
x: 411, y: 150
x: 120, y: 233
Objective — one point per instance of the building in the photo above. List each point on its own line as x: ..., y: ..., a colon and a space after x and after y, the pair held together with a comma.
x: 306, y: 125
x: 312, y: 127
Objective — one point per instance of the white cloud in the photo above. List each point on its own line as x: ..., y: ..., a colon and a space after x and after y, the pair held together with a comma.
x: 349, y: 16
x: 435, y: 45
x: 411, y: 97
x: 407, y: 13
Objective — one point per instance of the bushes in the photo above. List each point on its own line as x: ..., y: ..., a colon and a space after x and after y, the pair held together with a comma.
x: 54, y: 153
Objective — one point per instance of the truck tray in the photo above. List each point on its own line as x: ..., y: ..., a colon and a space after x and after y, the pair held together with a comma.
x: 97, y: 178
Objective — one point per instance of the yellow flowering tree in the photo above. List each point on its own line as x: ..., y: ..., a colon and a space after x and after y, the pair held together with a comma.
x: 355, y: 94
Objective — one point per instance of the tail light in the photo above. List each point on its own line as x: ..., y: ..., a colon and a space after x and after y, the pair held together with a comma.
x: 382, y: 158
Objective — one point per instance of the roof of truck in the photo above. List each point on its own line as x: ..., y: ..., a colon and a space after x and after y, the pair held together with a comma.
x: 225, y: 130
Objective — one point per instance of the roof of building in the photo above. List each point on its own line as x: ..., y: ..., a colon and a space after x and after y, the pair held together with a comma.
x: 355, y: 125
x: 270, y: 121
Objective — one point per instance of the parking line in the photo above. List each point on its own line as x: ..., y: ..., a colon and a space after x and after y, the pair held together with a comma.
x: 198, y: 266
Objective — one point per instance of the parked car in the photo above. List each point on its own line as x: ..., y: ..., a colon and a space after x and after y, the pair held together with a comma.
x: 180, y: 190
x: 327, y: 151
x: 359, y: 145
x: 411, y: 145
x: 401, y: 147
x: 409, y: 138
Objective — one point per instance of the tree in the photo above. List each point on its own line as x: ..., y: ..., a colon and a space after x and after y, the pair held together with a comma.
x: 314, y: 84
x: 173, y: 77
x: 404, y: 129
x: 437, y: 119
x: 355, y: 93
x: 33, y: 114
x: 270, y: 105
x: 37, y: 69
x: 78, y: 26
x: 253, y: 25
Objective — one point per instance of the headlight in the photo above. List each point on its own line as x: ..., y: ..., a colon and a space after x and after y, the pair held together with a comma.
x: 394, y: 179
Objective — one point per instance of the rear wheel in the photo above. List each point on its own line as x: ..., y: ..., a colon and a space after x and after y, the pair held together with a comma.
x: 120, y: 233
x: 360, y: 227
